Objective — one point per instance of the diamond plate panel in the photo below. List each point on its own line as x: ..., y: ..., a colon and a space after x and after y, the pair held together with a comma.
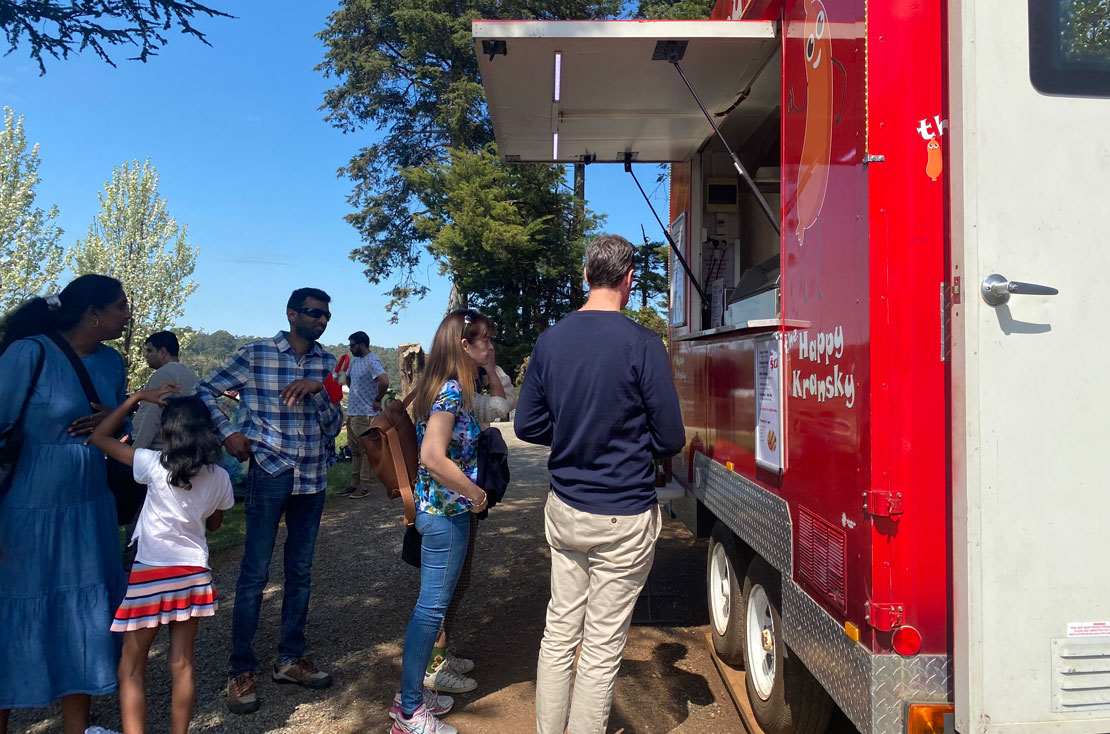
x: 759, y: 517
x: 841, y: 666
x: 872, y: 690
x: 896, y: 680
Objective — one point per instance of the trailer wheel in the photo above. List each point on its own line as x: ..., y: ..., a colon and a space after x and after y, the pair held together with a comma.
x: 725, y: 596
x: 784, y: 696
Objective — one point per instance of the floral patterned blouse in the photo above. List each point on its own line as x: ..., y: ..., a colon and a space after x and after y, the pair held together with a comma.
x: 431, y: 496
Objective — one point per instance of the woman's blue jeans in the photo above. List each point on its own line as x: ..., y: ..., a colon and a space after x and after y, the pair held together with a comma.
x: 442, y: 551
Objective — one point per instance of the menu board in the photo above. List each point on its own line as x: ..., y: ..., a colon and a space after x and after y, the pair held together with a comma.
x: 768, y: 407
x: 716, y: 302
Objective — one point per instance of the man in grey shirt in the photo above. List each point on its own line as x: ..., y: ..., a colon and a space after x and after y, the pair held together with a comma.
x: 162, y: 352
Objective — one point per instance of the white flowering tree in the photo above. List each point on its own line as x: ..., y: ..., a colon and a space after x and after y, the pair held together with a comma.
x: 134, y: 239
x: 30, y: 256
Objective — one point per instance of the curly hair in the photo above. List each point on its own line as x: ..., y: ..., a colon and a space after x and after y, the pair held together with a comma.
x: 190, y: 440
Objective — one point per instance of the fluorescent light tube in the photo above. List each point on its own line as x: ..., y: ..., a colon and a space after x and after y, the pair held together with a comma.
x: 558, y: 74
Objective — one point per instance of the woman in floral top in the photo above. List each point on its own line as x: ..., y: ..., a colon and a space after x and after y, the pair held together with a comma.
x: 434, y: 497
x: 445, y: 496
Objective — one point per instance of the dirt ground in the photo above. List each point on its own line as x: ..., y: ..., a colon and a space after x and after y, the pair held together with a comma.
x: 363, y: 594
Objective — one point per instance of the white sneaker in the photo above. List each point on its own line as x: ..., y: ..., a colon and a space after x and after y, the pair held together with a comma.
x: 446, y: 680
x: 436, y: 704
x: 461, y: 666
x: 422, y: 722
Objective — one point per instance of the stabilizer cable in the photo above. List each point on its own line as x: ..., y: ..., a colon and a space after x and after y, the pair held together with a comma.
x: 666, y: 232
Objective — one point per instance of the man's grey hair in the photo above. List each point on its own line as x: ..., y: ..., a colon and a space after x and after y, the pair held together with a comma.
x: 608, y: 260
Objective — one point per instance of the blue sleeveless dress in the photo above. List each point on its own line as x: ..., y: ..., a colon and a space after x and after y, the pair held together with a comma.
x: 61, y: 578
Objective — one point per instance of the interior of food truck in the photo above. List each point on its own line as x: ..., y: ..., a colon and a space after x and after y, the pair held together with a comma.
x: 735, y: 246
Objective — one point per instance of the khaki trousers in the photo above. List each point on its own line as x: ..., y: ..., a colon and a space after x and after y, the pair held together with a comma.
x: 599, y: 564
x: 361, y: 474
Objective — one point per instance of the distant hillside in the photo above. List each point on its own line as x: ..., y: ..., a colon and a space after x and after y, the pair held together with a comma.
x: 205, y: 352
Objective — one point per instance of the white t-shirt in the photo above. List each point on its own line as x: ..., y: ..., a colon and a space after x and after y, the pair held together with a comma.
x: 363, y: 379
x: 170, y: 530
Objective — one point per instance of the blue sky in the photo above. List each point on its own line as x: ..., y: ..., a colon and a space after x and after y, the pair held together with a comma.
x: 247, y: 162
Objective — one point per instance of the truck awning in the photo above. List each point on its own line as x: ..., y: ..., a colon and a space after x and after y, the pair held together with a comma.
x: 574, y: 91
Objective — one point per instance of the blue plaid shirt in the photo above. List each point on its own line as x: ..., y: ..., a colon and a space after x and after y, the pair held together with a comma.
x: 302, y: 437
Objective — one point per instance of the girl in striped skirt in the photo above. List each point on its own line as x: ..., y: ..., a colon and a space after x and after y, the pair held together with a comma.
x: 170, y: 583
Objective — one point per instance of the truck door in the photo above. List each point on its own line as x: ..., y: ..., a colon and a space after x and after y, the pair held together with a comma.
x: 1029, y: 136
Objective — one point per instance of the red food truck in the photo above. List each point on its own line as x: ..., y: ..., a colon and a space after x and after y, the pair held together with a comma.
x: 890, y: 282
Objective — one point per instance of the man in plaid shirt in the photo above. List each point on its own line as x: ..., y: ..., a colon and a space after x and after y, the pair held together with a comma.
x: 288, y: 435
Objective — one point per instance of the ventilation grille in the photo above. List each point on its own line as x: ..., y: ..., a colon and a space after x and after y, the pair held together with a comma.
x: 822, y: 556
x: 1081, y: 674
x: 512, y: 158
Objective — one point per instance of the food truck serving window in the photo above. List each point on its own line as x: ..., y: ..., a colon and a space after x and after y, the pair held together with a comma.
x: 1069, y: 47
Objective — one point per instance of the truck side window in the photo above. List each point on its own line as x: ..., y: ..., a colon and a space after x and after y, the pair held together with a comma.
x: 1069, y: 47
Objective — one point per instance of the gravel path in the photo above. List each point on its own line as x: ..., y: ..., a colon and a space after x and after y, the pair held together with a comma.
x: 362, y: 597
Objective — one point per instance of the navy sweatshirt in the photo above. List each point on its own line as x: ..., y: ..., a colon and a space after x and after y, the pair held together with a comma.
x: 599, y: 392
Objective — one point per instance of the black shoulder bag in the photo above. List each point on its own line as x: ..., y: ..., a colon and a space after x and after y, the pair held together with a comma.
x: 12, y: 440
x: 129, y: 494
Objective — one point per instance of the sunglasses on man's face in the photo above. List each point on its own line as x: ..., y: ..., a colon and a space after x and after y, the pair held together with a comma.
x: 315, y: 313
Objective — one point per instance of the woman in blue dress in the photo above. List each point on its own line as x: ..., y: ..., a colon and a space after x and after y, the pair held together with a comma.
x: 61, y: 577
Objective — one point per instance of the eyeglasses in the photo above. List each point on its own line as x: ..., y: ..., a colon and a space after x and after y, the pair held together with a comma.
x: 469, y: 316
x: 315, y: 313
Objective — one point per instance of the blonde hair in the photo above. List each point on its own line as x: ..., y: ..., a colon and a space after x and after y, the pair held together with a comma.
x: 448, y: 361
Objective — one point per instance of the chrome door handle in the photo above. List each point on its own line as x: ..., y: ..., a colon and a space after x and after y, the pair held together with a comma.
x: 996, y: 289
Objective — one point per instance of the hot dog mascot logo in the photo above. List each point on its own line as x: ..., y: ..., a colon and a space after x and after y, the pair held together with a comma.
x: 935, y: 164
x: 813, y: 169
x: 817, y: 107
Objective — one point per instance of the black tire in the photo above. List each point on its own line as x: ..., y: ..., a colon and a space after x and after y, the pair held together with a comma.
x: 796, y: 703
x: 729, y: 642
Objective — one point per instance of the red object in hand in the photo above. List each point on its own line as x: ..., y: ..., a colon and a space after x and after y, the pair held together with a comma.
x: 333, y: 383
x: 333, y: 388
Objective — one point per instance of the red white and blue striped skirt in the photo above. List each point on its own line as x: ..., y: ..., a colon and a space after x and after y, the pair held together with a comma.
x: 159, y: 595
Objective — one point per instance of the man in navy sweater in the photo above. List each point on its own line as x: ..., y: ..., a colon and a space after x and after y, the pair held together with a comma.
x: 599, y: 392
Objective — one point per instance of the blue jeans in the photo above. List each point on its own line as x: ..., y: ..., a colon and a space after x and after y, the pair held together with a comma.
x: 442, y: 550
x: 269, y: 496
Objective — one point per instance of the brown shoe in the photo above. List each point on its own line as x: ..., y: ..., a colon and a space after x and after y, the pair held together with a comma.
x: 359, y: 493
x: 348, y: 491
x: 303, y: 672
x: 242, y: 694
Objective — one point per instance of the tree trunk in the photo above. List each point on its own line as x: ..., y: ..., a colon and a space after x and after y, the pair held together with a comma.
x: 578, y: 231
x: 411, y: 358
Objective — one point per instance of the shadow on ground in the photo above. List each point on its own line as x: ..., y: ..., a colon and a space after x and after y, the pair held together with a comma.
x: 362, y: 597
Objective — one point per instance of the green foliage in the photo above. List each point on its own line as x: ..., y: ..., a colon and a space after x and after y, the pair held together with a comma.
x: 520, y: 373
x: 30, y: 256
x: 408, y: 68
x: 204, y: 351
x: 135, y: 240
x: 1086, y: 28
x: 651, y: 274
x: 675, y: 9
x: 61, y: 27
x: 649, y: 317
x: 507, y: 234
